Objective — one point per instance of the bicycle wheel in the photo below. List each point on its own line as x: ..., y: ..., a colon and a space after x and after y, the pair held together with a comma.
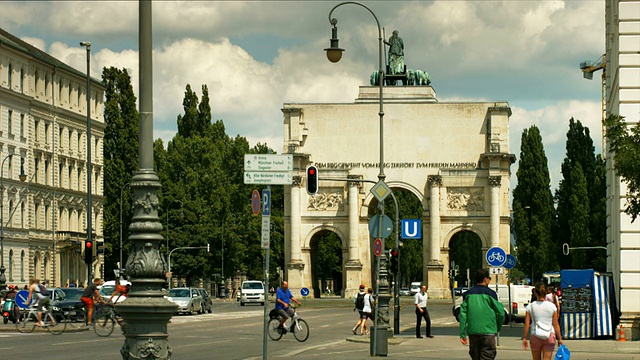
x: 26, y: 324
x: 301, y: 330
x: 275, y: 333
x: 103, y: 325
x: 56, y: 327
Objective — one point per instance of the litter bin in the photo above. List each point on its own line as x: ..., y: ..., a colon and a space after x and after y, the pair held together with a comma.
x: 381, y: 347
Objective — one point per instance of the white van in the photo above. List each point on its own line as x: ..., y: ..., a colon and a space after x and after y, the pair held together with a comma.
x: 415, y: 287
x: 252, y: 291
x: 520, y: 298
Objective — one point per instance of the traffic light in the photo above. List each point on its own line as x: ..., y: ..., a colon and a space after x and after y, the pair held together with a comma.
x: 450, y: 273
x: 88, y: 252
x: 99, y: 247
x: 393, y: 254
x: 79, y: 248
x: 312, y: 179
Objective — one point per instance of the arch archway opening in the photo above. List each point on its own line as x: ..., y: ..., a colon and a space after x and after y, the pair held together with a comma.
x: 326, y: 264
x: 465, y: 251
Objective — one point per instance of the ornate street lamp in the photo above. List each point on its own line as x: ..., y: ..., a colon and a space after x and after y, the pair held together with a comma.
x: 22, y: 177
x: 334, y: 54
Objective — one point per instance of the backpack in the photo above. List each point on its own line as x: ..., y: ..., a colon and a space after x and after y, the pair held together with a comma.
x: 360, y: 301
x: 43, y: 290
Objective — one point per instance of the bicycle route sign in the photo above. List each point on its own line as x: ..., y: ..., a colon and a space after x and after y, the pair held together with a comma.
x: 21, y: 299
x: 496, y: 256
x: 304, y: 291
x: 511, y: 262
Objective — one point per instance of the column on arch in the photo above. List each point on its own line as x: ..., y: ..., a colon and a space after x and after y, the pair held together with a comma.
x: 295, y: 255
x: 435, y: 182
x: 494, y: 182
x: 353, y: 223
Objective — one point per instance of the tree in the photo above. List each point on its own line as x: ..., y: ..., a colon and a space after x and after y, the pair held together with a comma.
x: 579, y: 235
x: 120, y: 155
x: 624, y: 144
x: 534, y: 214
x: 581, y: 152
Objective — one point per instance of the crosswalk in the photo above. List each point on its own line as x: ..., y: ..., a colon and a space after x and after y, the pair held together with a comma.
x: 217, y: 316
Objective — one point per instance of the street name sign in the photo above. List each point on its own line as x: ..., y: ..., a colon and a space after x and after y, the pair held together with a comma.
x: 268, y: 178
x: 268, y: 162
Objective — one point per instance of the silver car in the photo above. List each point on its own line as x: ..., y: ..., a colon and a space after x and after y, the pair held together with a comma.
x: 188, y: 300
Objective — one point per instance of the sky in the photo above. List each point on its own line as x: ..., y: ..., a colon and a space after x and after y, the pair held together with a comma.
x: 254, y: 56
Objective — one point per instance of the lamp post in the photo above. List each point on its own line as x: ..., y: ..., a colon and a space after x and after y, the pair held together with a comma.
x: 121, y: 266
x: 334, y: 54
x: 185, y: 248
x: 22, y: 177
x: 167, y: 223
x: 147, y: 312
x: 87, y: 45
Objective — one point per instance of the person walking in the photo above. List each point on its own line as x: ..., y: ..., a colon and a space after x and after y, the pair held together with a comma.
x: 359, y: 305
x: 481, y: 318
x: 420, y: 300
x: 369, y: 305
x: 545, y: 330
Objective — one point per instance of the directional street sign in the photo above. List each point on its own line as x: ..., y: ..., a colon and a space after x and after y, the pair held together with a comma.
x: 268, y: 178
x: 266, y: 202
x: 304, y: 291
x: 21, y: 299
x: 511, y: 262
x: 411, y: 228
x: 496, y: 256
x: 268, y: 162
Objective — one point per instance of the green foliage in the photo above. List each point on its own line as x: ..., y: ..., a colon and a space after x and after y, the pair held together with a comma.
x: 328, y: 254
x: 574, y: 227
x: 624, y: 143
x: 533, y: 211
x: 120, y: 154
x: 465, y: 248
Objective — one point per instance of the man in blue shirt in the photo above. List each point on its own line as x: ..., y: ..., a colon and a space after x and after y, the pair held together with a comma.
x: 283, y: 298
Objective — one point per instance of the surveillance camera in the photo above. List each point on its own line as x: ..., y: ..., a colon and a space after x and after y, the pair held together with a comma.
x: 85, y: 43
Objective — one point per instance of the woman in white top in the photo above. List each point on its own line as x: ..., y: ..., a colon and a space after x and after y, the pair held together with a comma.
x: 542, y: 317
x: 369, y: 304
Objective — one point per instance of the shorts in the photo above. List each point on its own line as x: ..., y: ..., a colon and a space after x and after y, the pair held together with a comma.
x: 42, y: 303
x: 285, y: 314
x: 369, y: 315
x: 538, y: 344
x: 88, y: 302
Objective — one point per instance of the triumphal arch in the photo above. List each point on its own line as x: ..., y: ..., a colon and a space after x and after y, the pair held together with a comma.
x: 453, y: 156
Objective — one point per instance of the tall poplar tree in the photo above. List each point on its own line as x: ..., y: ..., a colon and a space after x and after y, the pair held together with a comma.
x: 579, y: 235
x: 120, y: 154
x: 581, y: 152
x: 534, y: 214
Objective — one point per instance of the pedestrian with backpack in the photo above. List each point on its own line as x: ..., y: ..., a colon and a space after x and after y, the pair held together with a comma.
x: 359, y: 305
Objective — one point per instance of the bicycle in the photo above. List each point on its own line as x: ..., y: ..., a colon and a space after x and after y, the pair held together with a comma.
x: 28, y: 321
x: 297, y: 326
x: 105, y: 319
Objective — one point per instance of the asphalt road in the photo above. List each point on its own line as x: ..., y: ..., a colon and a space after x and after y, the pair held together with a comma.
x: 235, y: 332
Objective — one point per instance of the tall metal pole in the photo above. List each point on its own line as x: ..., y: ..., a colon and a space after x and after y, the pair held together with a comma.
x: 146, y: 311
x: 87, y: 45
x: 23, y: 177
x: 382, y: 300
x: 121, y: 266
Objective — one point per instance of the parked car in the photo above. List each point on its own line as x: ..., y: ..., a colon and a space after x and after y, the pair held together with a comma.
x: 207, y: 304
x: 415, y: 287
x: 69, y: 304
x: 405, y: 291
x: 252, y: 292
x: 187, y: 298
x: 108, y: 287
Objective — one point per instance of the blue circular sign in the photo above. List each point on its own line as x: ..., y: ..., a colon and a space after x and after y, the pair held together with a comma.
x: 496, y: 256
x: 511, y: 262
x: 304, y: 291
x: 21, y: 299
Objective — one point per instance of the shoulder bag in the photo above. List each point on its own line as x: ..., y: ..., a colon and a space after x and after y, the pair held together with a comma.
x: 541, y: 331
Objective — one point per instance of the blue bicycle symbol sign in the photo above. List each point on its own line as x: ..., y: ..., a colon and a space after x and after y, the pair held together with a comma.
x: 511, y: 262
x: 496, y: 256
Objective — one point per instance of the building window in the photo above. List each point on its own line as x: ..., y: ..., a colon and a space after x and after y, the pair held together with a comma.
x: 9, y: 222
x: 21, y: 80
x: 21, y: 125
x: 36, y: 210
x: 79, y: 142
x: 60, y: 180
x: 36, y: 128
x: 36, y: 161
x: 70, y: 178
x: 46, y: 217
x: 10, y: 76
x: 22, y: 216
x: 46, y: 84
x: 46, y: 172
x: 11, y: 265
x: 10, y: 123
x: 46, y: 133
x: 22, y: 265
x: 79, y: 179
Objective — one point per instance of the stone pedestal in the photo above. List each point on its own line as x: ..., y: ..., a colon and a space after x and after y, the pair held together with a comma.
x: 353, y: 273
x: 437, y: 285
x: 295, y: 277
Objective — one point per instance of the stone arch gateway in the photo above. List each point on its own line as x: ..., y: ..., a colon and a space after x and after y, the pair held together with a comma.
x: 454, y: 156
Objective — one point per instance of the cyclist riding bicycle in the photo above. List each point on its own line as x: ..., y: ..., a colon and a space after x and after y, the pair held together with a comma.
x: 38, y: 299
x: 121, y: 290
x: 283, y: 299
x: 89, y: 296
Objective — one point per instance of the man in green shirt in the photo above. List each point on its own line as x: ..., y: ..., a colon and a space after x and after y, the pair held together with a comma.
x: 481, y: 317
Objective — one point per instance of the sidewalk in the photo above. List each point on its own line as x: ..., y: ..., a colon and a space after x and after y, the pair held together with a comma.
x: 446, y: 345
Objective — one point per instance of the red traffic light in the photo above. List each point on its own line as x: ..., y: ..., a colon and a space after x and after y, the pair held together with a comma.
x: 312, y: 179
x: 394, y: 253
x: 87, y: 244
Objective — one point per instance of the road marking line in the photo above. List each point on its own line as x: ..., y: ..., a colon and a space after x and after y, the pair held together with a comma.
x: 312, y: 347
